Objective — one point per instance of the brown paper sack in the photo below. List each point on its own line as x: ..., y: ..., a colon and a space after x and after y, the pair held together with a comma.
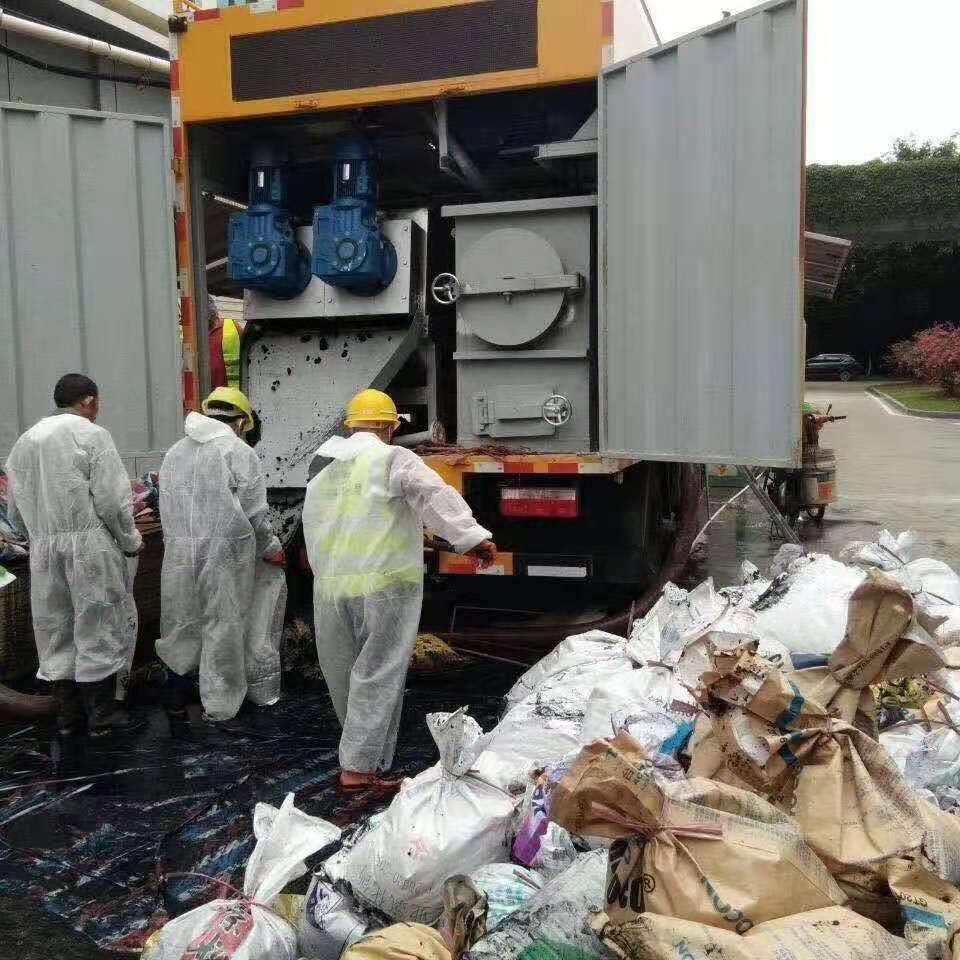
x: 798, y: 738
x: 403, y: 941
x: 680, y: 858
x: 930, y: 907
x: 832, y: 933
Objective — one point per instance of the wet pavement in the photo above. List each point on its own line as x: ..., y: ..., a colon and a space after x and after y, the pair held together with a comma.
x: 90, y: 864
x: 893, y: 471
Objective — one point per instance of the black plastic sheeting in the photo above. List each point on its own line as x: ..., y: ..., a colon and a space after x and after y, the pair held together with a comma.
x: 99, y: 850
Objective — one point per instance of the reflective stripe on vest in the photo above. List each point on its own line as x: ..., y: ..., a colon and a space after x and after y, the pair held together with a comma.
x: 360, y: 539
x: 230, y: 348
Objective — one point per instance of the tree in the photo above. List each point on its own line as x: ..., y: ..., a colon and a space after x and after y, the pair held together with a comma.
x: 910, y: 148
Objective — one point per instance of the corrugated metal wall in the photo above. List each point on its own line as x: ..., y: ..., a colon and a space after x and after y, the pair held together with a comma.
x: 23, y: 83
x: 701, y: 225
x: 87, y: 278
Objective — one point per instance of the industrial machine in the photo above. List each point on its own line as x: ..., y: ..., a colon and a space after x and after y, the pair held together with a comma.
x: 264, y: 251
x: 349, y: 248
x: 575, y: 279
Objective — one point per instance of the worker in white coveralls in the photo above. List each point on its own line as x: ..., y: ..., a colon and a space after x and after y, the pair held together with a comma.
x: 216, y: 529
x: 70, y: 494
x: 363, y: 524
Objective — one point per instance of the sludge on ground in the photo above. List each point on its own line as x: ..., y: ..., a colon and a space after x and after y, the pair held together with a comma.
x: 98, y: 853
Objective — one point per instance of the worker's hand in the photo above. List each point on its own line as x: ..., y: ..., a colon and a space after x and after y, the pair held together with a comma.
x: 135, y: 553
x: 278, y: 559
x: 485, y: 552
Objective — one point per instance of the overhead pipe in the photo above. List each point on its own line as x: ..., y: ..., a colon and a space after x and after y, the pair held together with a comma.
x: 138, y: 14
x: 76, y: 41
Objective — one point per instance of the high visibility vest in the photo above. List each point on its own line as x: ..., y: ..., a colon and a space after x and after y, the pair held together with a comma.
x: 230, y: 348
x: 360, y: 540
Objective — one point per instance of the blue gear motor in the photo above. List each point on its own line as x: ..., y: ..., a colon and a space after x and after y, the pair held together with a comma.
x: 349, y: 249
x: 264, y: 253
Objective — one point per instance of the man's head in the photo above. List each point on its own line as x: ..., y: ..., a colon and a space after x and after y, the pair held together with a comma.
x: 372, y: 411
x: 228, y: 405
x: 77, y: 393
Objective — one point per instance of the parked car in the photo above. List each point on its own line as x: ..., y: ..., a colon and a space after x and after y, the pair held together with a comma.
x: 833, y: 366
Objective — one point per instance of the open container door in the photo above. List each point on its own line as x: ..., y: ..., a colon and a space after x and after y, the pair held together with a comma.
x: 701, y: 244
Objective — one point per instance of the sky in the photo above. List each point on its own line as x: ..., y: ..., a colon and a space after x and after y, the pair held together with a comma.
x: 877, y: 69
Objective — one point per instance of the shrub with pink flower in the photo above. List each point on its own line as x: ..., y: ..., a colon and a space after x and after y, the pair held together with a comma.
x: 931, y: 356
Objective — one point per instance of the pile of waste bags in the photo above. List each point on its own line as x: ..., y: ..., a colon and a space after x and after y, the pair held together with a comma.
x: 13, y: 544
x: 770, y: 769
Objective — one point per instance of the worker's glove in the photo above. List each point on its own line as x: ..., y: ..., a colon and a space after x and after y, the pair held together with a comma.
x: 485, y: 552
x: 278, y: 559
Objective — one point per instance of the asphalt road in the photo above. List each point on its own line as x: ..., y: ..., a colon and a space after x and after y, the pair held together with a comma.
x: 894, y: 471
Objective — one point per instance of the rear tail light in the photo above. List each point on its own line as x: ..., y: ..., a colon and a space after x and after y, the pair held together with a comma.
x: 556, y: 502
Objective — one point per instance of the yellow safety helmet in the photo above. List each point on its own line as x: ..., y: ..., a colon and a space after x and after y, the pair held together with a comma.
x: 230, y: 397
x: 371, y: 408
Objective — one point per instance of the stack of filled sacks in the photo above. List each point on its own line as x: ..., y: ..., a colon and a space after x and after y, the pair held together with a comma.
x: 796, y: 832
x: 806, y: 740
x: 596, y: 683
x: 804, y: 606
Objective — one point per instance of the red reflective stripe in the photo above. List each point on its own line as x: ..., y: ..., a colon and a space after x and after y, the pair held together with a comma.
x: 180, y: 226
x: 174, y: 75
x: 213, y: 14
x: 190, y: 398
x: 178, y: 143
x: 518, y: 466
x: 569, y: 467
x: 606, y: 19
x: 288, y: 4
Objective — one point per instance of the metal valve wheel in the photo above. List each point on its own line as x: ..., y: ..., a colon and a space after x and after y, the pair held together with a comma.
x: 445, y: 289
x: 557, y: 410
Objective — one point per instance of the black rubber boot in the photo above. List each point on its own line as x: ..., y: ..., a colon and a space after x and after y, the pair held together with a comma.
x: 103, y: 716
x: 68, y: 751
x: 68, y: 748
x: 175, y: 696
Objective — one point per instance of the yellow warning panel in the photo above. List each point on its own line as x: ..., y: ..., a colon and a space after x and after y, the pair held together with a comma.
x: 276, y: 57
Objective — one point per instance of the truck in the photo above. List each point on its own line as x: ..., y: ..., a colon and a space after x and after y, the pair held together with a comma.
x: 580, y: 277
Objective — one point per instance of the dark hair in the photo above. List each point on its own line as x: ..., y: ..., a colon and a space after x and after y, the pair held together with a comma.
x: 228, y: 415
x: 71, y: 388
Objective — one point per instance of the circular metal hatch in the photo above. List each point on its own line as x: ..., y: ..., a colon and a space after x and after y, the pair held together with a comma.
x: 504, y: 320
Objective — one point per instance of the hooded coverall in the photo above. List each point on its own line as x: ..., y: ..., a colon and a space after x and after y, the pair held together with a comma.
x: 70, y: 493
x: 213, y: 507
x: 363, y: 521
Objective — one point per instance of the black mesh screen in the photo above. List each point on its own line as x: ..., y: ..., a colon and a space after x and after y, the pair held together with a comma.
x: 485, y: 37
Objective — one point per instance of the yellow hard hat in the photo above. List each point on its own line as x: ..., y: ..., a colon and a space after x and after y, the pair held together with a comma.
x: 371, y: 408
x: 230, y: 397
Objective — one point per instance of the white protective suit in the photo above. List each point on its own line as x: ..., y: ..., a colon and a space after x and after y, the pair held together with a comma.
x: 70, y: 493
x: 363, y: 523
x: 213, y: 507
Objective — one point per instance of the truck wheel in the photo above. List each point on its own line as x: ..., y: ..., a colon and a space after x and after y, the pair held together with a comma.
x: 816, y: 513
x: 846, y: 376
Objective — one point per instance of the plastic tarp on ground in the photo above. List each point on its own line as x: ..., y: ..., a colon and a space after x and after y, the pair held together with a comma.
x: 103, y: 852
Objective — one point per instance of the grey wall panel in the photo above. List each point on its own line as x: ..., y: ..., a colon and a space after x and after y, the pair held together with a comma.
x: 28, y: 84
x: 700, y: 244
x: 87, y: 270
x: 22, y: 83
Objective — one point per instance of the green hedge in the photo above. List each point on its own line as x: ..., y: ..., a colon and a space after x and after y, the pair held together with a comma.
x: 881, y: 191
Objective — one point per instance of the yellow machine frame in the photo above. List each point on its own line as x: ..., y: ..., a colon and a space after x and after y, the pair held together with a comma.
x: 571, y: 38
